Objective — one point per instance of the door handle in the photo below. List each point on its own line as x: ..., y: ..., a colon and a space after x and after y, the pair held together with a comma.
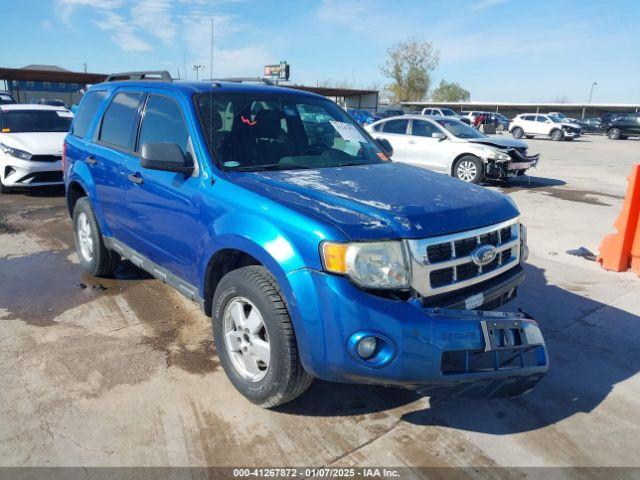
x: 135, y: 178
x: 91, y: 160
x: 412, y: 142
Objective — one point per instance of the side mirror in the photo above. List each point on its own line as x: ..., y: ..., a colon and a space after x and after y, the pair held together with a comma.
x: 439, y: 135
x: 386, y: 146
x: 165, y: 156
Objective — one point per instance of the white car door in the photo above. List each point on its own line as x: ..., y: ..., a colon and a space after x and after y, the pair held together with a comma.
x: 543, y: 124
x: 395, y: 131
x: 426, y: 151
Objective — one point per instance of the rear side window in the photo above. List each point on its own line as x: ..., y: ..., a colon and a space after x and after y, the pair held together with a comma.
x: 395, y: 126
x: 86, y: 111
x: 163, y: 122
x: 119, y: 119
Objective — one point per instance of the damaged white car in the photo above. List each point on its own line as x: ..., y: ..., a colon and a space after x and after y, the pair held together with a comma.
x: 447, y: 145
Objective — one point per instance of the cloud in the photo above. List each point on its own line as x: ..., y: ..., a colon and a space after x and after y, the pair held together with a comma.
x: 46, y: 25
x: 482, y: 4
x: 154, y: 17
x: 124, y: 33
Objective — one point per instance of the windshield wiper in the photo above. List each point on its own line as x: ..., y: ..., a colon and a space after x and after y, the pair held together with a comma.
x: 270, y: 166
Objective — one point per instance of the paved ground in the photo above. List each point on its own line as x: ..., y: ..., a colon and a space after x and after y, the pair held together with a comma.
x: 124, y: 371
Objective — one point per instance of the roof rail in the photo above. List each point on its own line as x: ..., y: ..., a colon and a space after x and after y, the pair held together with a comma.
x: 162, y: 75
x: 266, y: 81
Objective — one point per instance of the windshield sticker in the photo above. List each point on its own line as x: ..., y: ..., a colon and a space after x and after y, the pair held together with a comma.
x: 383, y: 157
x: 348, y: 132
x: 247, y: 121
x: 6, y: 130
x: 231, y: 164
x: 64, y: 114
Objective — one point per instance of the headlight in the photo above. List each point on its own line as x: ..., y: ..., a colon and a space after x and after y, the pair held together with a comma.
x: 370, y: 264
x: 14, y: 152
x: 499, y: 155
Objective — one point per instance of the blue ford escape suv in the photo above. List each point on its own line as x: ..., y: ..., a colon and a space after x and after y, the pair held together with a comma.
x: 314, y: 254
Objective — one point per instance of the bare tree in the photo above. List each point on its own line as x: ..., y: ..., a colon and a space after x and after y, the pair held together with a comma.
x: 409, y: 65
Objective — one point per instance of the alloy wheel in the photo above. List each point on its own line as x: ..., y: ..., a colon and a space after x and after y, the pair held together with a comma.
x: 85, y: 239
x: 466, y: 171
x: 246, y: 339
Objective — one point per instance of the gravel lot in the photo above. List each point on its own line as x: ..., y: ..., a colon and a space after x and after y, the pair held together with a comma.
x: 124, y: 372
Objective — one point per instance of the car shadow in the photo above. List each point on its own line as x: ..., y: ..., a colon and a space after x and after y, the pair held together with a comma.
x: 592, y: 347
x: 526, y: 182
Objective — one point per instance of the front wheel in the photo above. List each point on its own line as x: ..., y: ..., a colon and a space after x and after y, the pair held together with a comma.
x: 255, y: 338
x: 517, y: 132
x: 469, y: 169
x: 556, y: 135
x: 614, y: 133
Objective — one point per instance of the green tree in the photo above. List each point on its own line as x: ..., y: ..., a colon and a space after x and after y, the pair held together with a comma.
x: 450, y: 92
x: 409, y: 65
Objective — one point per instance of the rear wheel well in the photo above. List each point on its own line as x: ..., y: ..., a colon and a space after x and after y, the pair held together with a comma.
x: 221, y: 263
x: 74, y: 193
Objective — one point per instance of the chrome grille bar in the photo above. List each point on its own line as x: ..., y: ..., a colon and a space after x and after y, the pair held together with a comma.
x: 422, y: 266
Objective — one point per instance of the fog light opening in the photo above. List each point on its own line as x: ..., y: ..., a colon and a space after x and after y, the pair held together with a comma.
x: 367, y: 347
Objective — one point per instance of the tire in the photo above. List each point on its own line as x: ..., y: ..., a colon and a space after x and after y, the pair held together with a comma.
x: 614, y: 133
x: 556, y: 135
x: 94, y: 256
x: 242, y: 296
x: 4, y: 188
x: 517, y: 132
x: 469, y: 169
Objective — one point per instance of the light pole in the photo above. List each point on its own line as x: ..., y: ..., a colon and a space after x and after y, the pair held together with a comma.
x: 590, y: 95
x: 197, y: 69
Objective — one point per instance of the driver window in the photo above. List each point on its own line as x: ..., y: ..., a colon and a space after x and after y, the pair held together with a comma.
x: 423, y: 129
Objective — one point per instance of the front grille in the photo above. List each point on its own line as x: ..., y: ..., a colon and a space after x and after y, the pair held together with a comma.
x: 42, y: 177
x: 443, y: 264
x: 46, y: 158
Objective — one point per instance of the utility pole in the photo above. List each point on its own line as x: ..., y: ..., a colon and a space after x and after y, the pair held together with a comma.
x: 197, y: 70
x: 84, y: 65
x: 590, y: 95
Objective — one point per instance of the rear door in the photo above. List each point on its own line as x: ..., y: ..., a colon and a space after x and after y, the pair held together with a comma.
x: 395, y: 131
x: 163, y: 221
x: 528, y: 123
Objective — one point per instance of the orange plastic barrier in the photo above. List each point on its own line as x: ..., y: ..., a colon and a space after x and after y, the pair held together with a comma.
x: 615, y: 250
x: 635, y: 251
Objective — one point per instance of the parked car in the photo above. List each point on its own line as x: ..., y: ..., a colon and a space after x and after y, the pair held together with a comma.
x: 623, y: 126
x: 390, y: 113
x: 6, y: 98
x: 475, y: 114
x: 590, y: 125
x: 530, y: 125
x: 363, y: 117
x: 314, y: 259
x: 31, y: 138
x: 501, y: 122
x: 445, y: 112
x: 54, y: 102
x: 449, y: 146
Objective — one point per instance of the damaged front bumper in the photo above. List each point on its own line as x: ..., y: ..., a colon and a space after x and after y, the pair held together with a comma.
x: 439, y: 352
x: 516, y: 166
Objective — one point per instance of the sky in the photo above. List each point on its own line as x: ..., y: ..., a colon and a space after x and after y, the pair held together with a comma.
x: 499, y: 50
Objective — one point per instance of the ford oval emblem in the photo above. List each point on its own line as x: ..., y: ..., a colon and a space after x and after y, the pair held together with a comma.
x: 483, y: 255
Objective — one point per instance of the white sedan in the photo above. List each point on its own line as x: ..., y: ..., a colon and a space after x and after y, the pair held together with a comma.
x: 449, y: 146
x: 31, y: 139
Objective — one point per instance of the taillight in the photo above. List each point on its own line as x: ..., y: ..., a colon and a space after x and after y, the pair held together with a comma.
x: 64, y: 157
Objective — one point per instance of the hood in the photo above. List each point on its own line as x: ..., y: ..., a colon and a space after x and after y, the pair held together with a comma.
x: 570, y: 124
x: 36, y: 143
x: 500, y: 142
x: 382, y: 201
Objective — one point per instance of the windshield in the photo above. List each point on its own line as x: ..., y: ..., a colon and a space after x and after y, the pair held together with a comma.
x: 21, y: 121
x: 460, y: 129
x: 448, y: 112
x: 282, y: 132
